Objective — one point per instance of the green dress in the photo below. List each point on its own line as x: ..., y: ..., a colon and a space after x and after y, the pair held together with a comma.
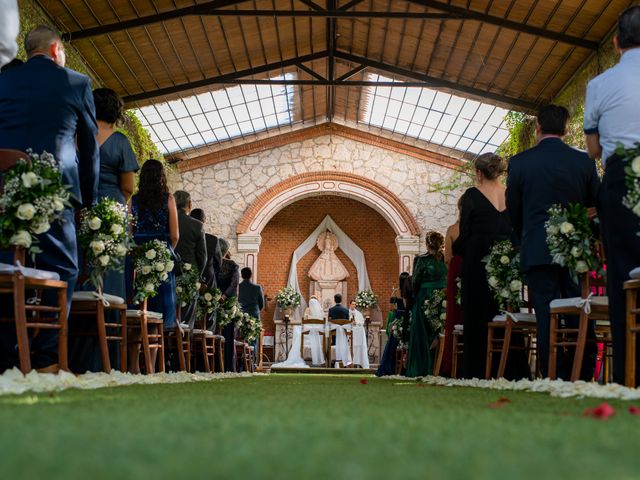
x: 429, y: 274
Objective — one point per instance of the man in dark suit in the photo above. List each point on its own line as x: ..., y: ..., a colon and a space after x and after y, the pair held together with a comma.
x: 549, y: 173
x: 250, y: 296
x: 338, y: 311
x: 214, y: 255
x: 44, y: 106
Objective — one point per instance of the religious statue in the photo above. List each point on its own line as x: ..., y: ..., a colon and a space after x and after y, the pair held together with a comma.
x: 327, y: 272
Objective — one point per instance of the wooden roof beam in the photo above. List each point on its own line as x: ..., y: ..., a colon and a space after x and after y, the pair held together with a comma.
x: 462, y: 13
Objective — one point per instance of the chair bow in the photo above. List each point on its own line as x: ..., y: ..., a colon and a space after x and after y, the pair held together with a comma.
x: 511, y: 315
x: 102, y: 298
x: 585, y: 304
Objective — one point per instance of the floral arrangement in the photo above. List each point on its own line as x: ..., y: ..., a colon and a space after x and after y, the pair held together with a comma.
x: 188, y: 285
x: 570, y: 239
x: 398, y: 330
x: 208, y: 301
x: 459, y: 291
x: 249, y: 326
x: 228, y: 312
x: 33, y: 198
x: 105, y: 237
x: 631, y: 157
x: 288, y: 298
x: 435, y: 310
x: 366, y: 299
x: 503, y: 275
x: 153, y: 262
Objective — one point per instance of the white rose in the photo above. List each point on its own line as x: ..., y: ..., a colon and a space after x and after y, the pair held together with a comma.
x: 149, y: 287
x: 493, y: 281
x: 121, y: 250
x: 582, y: 267
x: 150, y: 254
x: 635, y: 165
x: 58, y: 204
x: 198, y: 285
x: 552, y: 230
x: 146, y: 270
x: 183, y: 304
x: 116, y: 229
x: 505, y: 293
x: 41, y: 228
x: 576, y: 251
x: 30, y: 179
x: 567, y: 228
x: 104, y: 260
x: 444, y: 304
x: 97, y: 246
x: 164, y: 276
x: 208, y: 297
x: 26, y: 211
x: 159, y: 266
x: 21, y: 238
x: 443, y: 316
x: 186, y: 267
x: 178, y: 289
x: 515, y: 285
x: 95, y: 223
x: 504, y: 260
x: 169, y: 266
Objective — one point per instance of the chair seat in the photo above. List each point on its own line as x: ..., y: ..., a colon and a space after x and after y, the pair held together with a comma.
x: 238, y: 343
x: 519, y: 317
x: 92, y: 296
x: 635, y: 273
x: 138, y: 314
x: 206, y: 333
x: 574, y: 302
x: 220, y: 337
x: 8, y: 269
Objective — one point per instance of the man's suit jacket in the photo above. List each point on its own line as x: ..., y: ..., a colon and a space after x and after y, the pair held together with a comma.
x: 214, y: 259
x: 549, y: 173
x: 191, y: 245
x: 250, y: 298
x: 338, y: 312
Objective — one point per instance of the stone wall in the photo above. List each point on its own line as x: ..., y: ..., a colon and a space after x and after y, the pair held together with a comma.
x: 225, y: 190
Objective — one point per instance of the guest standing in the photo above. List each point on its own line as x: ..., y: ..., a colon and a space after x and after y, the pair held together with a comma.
x: 429, y: 274
x: 454, y: 311
x: 156, y: 219
x: 398, y: 312
x: 250, y: 298
x: 44, y: 106
x: 483, y: 221
x: 611, y: 116
x: 228, y: 285
x: 549, y: 173
x: 214, y: 257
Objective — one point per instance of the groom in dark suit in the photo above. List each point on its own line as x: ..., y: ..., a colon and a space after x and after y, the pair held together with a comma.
x: 44, y: 106
x: 549, y: 173
x: 338, y: 311
x: 250, y: 296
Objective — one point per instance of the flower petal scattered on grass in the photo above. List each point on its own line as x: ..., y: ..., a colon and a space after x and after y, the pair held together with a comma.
x: 364, y: 381
x: 633, y: 410
x: 601, y: 412
x: 501, y: 402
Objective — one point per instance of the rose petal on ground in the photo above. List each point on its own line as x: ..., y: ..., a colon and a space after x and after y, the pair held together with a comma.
x: 364, y: 381
x: 601, y: 412
x: 633, y: 410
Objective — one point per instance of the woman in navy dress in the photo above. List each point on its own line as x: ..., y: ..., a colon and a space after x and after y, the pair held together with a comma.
x: 156, y: 219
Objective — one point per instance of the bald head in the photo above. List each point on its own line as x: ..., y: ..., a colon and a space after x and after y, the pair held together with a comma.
x: 44, y: 40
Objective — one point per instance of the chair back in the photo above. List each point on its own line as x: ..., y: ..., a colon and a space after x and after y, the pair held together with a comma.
x: 313, y: 321
x: 340, y: 321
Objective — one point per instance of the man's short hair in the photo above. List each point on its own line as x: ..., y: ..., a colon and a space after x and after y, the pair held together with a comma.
x: 553, y: 119
x: 629, y: 28
x: 183, y: 199
x: 245, y: 273
x: 39, y: 39
x: 337, y: 298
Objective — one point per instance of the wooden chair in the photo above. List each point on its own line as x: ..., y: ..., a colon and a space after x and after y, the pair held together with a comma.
x: 587, y: 307
x: 321, y: 332
x: 15, y: 280
x: 457, y: 348
x: 332, y: 334
x: 631, y: 287
x: 177, y: 339
x: 142, y: 320
x: 88, y: 305
x: 220, y: 346
x: 204, y: 343
x: 439, y: 355
x: 243, y: 354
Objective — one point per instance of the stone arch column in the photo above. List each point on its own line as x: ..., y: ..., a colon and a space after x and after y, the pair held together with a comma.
x: 359, y: 188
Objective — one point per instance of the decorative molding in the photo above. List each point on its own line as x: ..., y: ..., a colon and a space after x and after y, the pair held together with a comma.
x: 276, y: 141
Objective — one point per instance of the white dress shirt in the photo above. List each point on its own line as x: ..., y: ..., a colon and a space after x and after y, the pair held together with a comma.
x: 9, y: 28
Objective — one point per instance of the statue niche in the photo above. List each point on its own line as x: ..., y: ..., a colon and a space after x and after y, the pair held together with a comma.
x: 327, y: 272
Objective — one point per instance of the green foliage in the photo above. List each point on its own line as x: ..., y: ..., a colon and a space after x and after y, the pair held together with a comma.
x: 521, y: 134
x: 138, y: 136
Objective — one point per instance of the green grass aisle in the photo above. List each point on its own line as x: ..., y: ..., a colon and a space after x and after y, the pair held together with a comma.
x: 308, y: 427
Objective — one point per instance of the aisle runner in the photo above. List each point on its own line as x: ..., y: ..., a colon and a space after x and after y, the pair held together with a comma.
x: 14, y: 382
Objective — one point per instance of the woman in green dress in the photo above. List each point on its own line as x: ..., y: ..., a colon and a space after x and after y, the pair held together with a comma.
x: 429, y: 274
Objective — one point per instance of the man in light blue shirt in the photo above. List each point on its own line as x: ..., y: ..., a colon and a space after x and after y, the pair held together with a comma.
x: 611, y: 116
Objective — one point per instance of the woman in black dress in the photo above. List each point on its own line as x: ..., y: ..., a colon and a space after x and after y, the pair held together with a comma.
x: 228, y: 278
x: 483, y: 221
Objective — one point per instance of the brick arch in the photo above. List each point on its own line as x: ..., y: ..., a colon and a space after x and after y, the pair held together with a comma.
x: 311, y: 184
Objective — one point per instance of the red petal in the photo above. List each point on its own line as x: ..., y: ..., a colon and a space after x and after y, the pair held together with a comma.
x: 364, y: 381
x: 602, y: 411
x: 633, y: 410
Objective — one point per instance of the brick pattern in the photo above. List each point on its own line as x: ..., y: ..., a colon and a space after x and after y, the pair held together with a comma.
x: 263, y: 199
x: 262, y: 145
x: 292, y: 225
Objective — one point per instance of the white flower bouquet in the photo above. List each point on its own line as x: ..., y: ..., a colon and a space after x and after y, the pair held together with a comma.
x: 366, y: 299
x: 288, y: 298
x: 631, y: 157
x: 504, y: 276
x: 152, y: 263
x: 228, y: 312
x: 398, y: 330
x: 570, y: 239
x: 208, y: 301
x: 33, y: 198
x: 188, y: 285
x: 105, y: 237
x: 435, y: 310
x: 250, y: 327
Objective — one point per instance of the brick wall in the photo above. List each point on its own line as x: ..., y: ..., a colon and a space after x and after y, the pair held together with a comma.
x: 292, y: 225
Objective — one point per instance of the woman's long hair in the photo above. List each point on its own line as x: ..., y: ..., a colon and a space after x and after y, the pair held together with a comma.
x: 152, y: 186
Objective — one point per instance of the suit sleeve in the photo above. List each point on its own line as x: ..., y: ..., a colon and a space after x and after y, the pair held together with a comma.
x: 201, y: 250
x: 594, y: 186
x: 88, y: 154
x: 514, y: 199
x: 260, y: 298
x: 466, y: 212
